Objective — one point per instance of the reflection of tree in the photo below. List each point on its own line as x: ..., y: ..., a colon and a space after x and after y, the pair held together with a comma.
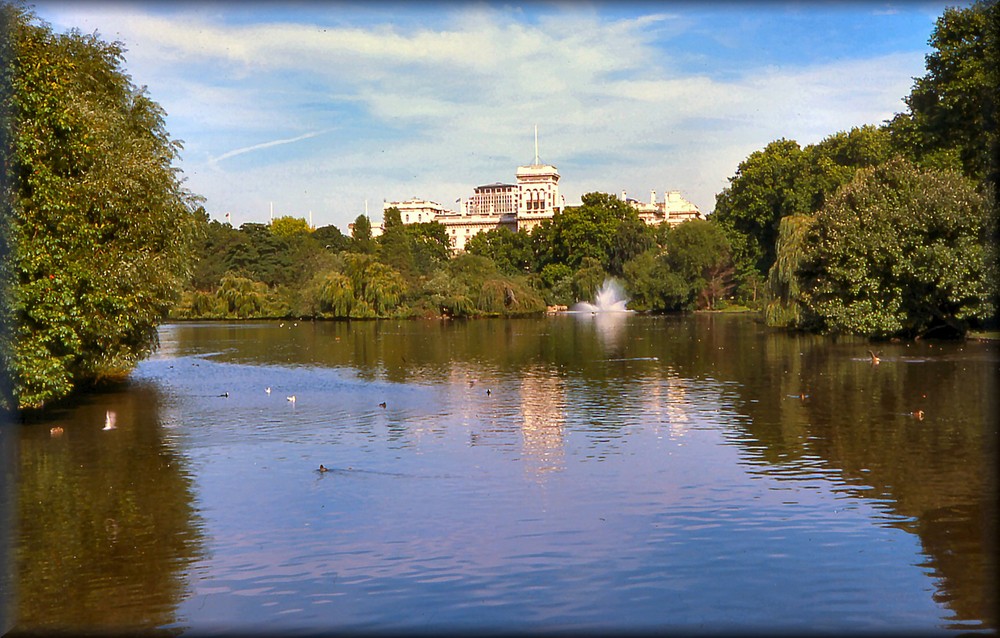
x: 110, y: 556
x: 936, y: 473
x: 8, y: 467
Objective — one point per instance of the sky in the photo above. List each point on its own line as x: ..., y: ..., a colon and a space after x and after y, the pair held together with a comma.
x: 323, y: 110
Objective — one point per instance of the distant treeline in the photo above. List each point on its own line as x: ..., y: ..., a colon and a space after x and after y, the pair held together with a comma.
x: 285, y: 269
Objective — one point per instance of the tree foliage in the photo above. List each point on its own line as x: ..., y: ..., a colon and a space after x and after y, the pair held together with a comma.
x: 694, y: 271
x: 288, y: 226
x: 594, y: 229
x: 902, y: 251
x: 785, y: 307
x: 952, y: 116
x: 510, y: 251
x: 100, y: 228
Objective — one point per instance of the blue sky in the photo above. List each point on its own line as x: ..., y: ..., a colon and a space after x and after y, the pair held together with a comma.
x: 319, y: 106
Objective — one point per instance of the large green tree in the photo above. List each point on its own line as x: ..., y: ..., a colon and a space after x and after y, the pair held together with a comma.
x: 901, y: 251
x: 768, y: 185
x: 694, y: 271
x: 509, y: 250
x: 99, y: 225
x: 602, y: 227
x: 952, y: 115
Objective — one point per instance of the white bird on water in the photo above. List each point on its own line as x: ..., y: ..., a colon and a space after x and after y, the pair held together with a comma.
x: 267, y: 389
x: 292, y: 399
x: 109, y: 420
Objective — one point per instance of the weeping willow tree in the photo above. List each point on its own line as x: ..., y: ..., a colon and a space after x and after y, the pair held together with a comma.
x: 508, y: 297
x: 785, y: 308
x: 242, y: 297
x: 334, y: 296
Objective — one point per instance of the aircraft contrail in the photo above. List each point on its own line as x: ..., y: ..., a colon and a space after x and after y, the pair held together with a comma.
x: 257, y: 147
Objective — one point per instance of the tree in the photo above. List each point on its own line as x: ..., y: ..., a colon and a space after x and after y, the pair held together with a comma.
x: 288, y: 227
x: 392, y: 218
x: 509, y: 250
x: 699, y: 253
x: 783, y: 180
x: 216, y: 241
x: 632, y: 237
x: 377, y: 287
x: 768, y: 185
x: 331, y: 239
x: 99, y: 227
x: 430, y: 245
x: 952, y: 118
x: 693, y: 272
x: 361, y: 233
x: 902, y: 251
x: 785, y: 307
x: 242, y: 297
x: 590, y: 230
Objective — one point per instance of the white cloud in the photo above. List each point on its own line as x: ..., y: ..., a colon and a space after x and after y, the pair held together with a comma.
x: 434, y: 110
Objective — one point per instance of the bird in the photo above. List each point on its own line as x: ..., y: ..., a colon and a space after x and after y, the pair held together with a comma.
x: 291, y: 398
x: 224, y: 395
x: 488, y: 392
x: 267, y: 390
x: 322, y: 468
x: 381, y: 405
x: 56, y: 431
x: 875, y: 358
x: 918, y: 415
x: 109, y: 420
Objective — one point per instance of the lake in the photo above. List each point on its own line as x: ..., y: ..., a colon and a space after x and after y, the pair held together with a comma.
x: 615, y: 471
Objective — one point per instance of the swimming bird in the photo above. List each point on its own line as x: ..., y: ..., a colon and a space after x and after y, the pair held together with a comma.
x: 918, y: 415
x: 322, y: 469
x: 292, y: 399
x: 267, y: 390
x: 224, y: 395
x: 488, y: 392
x: 381, y: 405
x: 56, y: 431
x: 875, y: 358
x: 109, y: 420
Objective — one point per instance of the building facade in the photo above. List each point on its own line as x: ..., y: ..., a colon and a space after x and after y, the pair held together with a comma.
x: 674, y: 209
x: 523, y: 205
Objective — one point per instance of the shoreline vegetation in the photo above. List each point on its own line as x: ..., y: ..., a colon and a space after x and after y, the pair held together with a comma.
x: 884, y: 232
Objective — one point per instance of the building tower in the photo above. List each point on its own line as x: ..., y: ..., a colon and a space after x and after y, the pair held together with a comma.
x: 538, y: 192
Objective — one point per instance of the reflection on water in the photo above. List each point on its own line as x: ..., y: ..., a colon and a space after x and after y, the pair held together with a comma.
x: 8, y: 520
x: 106, y: 523
x: 568, y: 472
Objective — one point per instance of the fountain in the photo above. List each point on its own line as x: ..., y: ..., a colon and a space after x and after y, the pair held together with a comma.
x: 610, y: 298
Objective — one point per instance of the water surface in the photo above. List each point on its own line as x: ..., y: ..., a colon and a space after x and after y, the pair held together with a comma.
x: 572, y: 472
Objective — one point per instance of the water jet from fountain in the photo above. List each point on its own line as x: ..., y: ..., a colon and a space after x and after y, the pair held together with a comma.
x: 610, y: 298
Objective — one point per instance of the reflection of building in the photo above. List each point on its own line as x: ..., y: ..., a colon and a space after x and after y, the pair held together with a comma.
x: 542, y: 429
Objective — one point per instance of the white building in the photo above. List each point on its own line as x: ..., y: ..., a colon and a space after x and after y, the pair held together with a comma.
x: 674, y: 209
x: 522, y: 205
x: 532, y: 198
